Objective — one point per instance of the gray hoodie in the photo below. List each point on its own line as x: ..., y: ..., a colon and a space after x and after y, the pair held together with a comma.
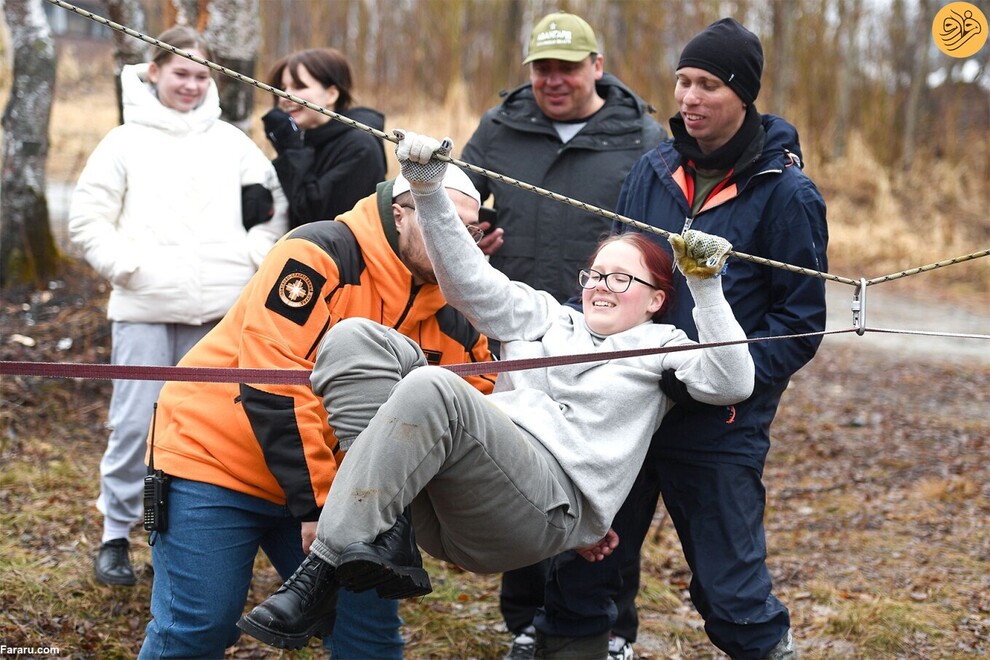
x: 596, y: 418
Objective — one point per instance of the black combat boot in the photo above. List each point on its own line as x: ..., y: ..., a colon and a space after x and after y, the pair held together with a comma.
x: 391, y: 564
x: 305, y: 606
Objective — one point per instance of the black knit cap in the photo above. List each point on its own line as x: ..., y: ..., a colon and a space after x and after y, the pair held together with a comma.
x: 731, y: 52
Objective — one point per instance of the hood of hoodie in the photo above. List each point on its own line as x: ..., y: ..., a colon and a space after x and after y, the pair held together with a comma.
x: 520, y: 110
x: 782, y: 138
x: 333, y: 129
x: 141, y: 105
x: 778, y: 147
x: 367, y: 116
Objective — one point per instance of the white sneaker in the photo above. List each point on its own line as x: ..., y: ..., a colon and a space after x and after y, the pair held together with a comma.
x: 784, y: 650
x: 523, y: 647
x: 619, y: 649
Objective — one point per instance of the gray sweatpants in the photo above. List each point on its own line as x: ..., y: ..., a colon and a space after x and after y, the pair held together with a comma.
x: 485, y: 495
x: 122, y: 468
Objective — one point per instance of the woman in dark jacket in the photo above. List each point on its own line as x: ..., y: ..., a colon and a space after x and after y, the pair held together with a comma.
x: 324, y: 166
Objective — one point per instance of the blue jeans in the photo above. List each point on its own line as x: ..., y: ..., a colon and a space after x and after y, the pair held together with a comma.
x: 203, y: 566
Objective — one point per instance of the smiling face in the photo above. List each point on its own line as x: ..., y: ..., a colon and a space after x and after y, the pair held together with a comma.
x: 607, y: 312
x: 711, y: 111
x: 565, y: 91
x: 181, y: 83
x: 308, y: 88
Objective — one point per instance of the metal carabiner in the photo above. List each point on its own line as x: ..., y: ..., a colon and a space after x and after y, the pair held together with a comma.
x: 859, y: 307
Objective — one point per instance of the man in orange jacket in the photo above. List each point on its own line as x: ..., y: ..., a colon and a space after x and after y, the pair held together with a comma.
x: 250, y: 466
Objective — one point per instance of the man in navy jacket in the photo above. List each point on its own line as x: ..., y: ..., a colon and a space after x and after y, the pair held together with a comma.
x: 735, y: 173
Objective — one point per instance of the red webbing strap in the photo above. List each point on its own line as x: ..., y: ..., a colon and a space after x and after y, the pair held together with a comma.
x: 478, y: 368
x: 133, y: 372
x: 301, y: 376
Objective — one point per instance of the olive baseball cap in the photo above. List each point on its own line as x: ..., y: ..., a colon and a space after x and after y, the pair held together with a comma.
x: 561, y: 36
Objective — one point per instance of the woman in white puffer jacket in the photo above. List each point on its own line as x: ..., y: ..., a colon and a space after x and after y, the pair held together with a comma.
x: 176, y: 209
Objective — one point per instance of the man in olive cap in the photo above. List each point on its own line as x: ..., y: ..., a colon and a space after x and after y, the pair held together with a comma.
x: 735, y: 173
x: 576, y: 130
x: 573, y: 129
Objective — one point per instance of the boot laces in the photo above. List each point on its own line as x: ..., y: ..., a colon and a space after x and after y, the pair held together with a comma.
x: 307, y: 581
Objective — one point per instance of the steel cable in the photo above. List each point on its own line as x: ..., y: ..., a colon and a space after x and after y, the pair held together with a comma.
x: 860, y: 284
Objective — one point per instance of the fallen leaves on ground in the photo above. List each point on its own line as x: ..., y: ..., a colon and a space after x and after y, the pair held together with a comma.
x: 877, y: 522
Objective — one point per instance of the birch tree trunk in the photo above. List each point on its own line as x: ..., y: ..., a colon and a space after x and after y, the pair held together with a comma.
x: 783, y: 22
x: 232, y: 28
x: 233, y: 32
x: 126, y: 49
x: 27, y: 248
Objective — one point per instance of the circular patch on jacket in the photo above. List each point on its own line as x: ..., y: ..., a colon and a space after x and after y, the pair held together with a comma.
x: 295, y: 290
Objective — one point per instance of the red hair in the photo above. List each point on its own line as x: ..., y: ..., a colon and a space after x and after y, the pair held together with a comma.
x: 657, y: 261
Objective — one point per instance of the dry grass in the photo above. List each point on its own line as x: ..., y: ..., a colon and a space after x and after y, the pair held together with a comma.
x: 878, y: 502
x: 882, y: 222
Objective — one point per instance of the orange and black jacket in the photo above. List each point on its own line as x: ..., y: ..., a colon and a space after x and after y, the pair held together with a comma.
x: 273, y: 441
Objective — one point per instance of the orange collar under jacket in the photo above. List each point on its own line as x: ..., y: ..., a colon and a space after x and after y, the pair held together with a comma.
x: 272, y: 441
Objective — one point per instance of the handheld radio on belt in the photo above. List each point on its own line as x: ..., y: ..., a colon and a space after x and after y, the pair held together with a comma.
x: 155, y: 491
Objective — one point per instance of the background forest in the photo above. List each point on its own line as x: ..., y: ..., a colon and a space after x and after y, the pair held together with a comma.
x: 895, y: 133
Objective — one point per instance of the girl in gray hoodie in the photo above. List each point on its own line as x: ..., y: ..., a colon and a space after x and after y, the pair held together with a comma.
x: 536, y: 468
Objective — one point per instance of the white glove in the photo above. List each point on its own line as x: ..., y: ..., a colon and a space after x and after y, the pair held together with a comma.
x: 416, y: 158
x: 698, y: 254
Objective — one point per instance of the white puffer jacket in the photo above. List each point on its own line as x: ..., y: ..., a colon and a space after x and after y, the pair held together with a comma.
x: 157, y: 209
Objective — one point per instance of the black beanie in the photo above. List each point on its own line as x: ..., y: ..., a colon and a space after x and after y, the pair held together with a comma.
x: 731, y: 52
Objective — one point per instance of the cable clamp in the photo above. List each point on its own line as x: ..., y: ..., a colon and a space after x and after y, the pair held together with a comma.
x: 859, y: 307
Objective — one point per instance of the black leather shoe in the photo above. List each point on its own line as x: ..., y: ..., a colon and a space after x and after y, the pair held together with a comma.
x: 112, y: 564
x: 391, y: 564
x: 305, y: 606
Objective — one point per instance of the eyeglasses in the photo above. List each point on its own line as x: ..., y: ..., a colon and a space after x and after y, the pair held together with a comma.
x: 589, y: 278
x: 476, y: 232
